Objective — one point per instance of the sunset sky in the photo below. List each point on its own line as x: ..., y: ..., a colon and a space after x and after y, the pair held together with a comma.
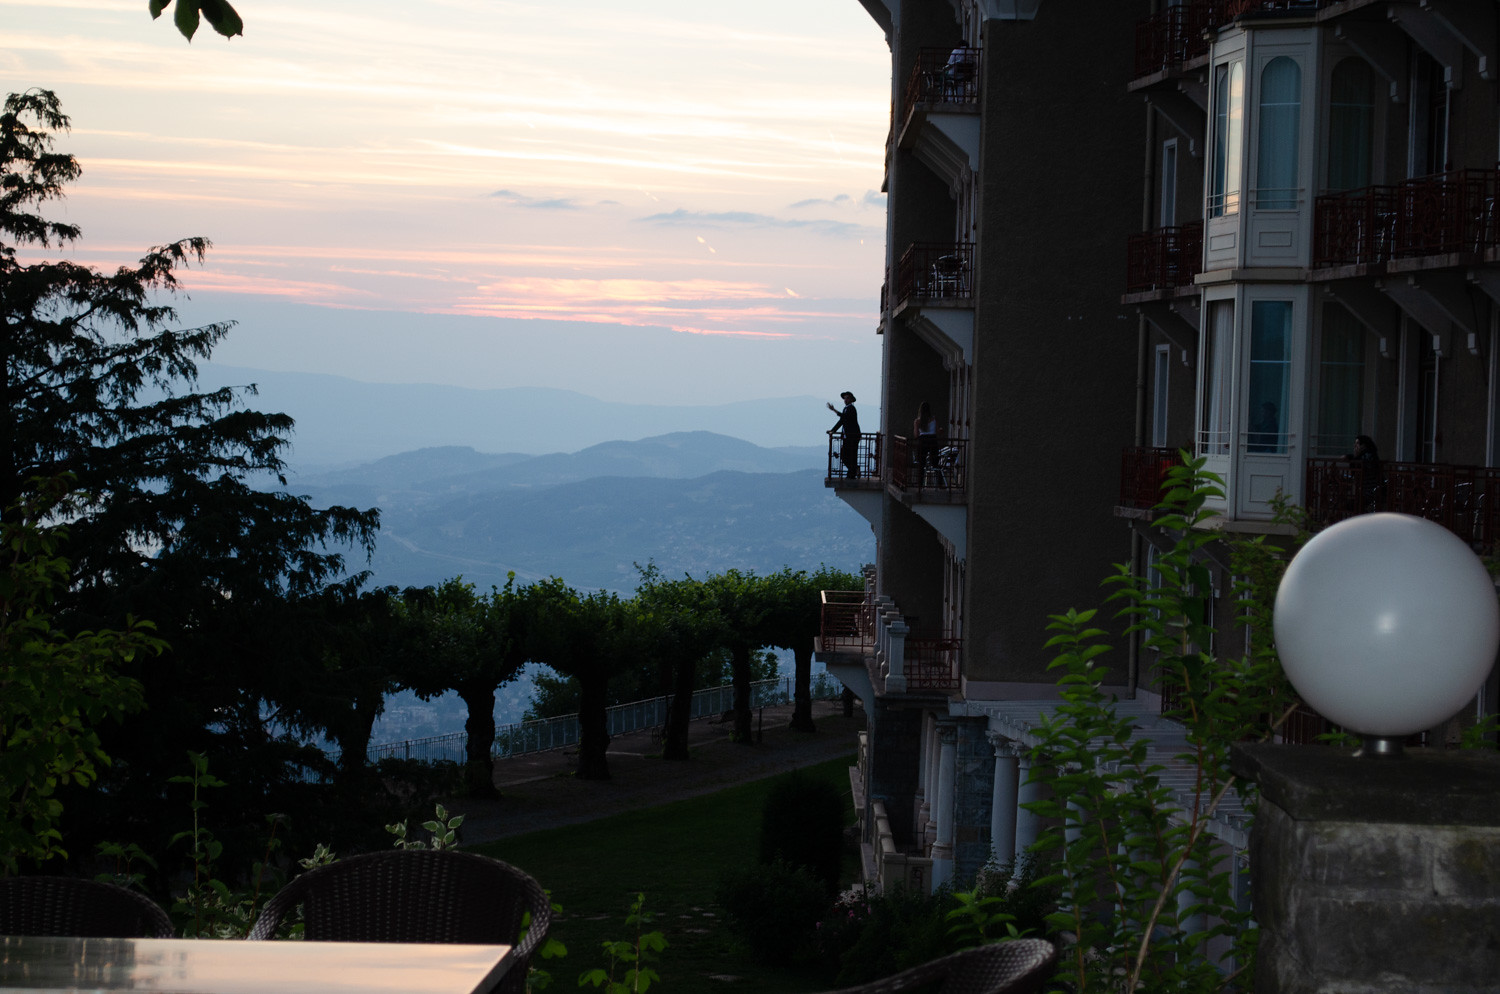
x: 401, y: 192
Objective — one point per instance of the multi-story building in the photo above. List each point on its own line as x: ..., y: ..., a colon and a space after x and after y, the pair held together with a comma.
x: 1251, y: 229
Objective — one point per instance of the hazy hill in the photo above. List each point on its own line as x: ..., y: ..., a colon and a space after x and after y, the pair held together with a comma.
x: 446, y: 469
x: 693, y: 501
x: 343, y: 422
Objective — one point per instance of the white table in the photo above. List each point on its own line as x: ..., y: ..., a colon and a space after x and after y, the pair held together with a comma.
x: 227, y: 966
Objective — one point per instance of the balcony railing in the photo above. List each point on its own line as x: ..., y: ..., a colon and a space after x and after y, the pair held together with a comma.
x: 1442, y: 214
x: 932, y: 661
x: 1164, y: 258
x: 866, y: 462
x: 944, y: 76
x: 1179, y: 33
x: 941, y: 466
x: 935, y: 271
x: 1143, y: 473
x: 1462, y: 499
x: 847, y: 623
x: 1170, y: 37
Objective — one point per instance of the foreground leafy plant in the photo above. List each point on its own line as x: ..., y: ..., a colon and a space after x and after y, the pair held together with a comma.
x: 1143, y: 887
x: 634, y: 957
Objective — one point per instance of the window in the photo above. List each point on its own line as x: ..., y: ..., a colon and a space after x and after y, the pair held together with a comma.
x: 1280, y: 123
x: 1229, y: 137
x: 1161, y: 375
x: 1341, y: 382
x: 1270, y: 375
x: 1168, y: 215
x: 1351, y: 126
x: 1217, y: 361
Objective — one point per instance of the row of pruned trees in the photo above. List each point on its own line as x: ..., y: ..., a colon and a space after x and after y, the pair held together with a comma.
x: 668, y: 639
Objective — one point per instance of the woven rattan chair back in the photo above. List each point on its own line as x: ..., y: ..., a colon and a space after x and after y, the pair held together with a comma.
x: 417, y: 895
x: 1018, y: 967
x: 84, y: 908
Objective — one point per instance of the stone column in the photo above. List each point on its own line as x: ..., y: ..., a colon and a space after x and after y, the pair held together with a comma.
x: 934, y: 759
x: 1028, y: 825
x: 942, y: 849
x: 1375, y: 874
x: 1003, y: 799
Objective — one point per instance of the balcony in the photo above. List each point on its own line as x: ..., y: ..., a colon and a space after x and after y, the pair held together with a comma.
x: 1171, y: 37
x: 937, y: 474
x: 944, y: 76
x: 935, y: 271
x: 866, y: 469
x: 1143, y: 474
x: 859, y: 628
x: 1164, y: 259
x: 1463, y: 499
x: 1444, y: 214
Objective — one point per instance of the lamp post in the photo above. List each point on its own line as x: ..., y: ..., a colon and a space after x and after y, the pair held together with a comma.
x: 1386, y: 624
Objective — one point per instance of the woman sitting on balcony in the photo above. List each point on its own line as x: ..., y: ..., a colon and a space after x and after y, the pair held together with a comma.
x: 924, y: 429
x: 1367, y: 469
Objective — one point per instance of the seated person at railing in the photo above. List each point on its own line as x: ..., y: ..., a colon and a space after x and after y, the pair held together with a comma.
x: 956, y: 74
x: 924, y: 428
x: 1366, y: 460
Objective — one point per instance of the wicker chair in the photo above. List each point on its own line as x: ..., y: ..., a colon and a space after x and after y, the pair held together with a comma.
x: 84, y: 908
x: 1018, y: 967
x: 417, y: 895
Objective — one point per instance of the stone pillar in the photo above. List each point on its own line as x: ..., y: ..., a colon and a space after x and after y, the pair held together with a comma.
x: 895, y: 657
x: 1028, y: 825
x: 1190, y: 916
x: 1003, y: 800
x: 1375, y: 874
x: 934, y: 762
x: 942, y: 849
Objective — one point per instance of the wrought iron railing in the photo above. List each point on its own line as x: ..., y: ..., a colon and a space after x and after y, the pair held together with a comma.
x: 1462, y: 499
x: 939, y: 465
x: 866, y: 457
x: 1164, y: 258
x: 1446, y: 213
x: 932, y: 661
x: 1143, y: 473
x: 944, y: 76
x: 935, y: 271
x: 523, y: 737
x: 847, y: 622
x: 1179, y: 33
x: 1172, y: 36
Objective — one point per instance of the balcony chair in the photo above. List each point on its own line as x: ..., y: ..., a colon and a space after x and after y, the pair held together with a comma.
x: 1017, y: 967
x: 64, y: 906
x: 417, y: 895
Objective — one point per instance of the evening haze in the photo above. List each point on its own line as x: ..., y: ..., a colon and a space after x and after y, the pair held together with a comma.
x: 660, y: 201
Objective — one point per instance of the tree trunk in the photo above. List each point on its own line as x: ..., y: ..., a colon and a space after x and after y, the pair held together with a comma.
x: 740, y: 664
x: 354, y: 737
x: 802, y: 719
x: 479, y: 728
x: 593, y: 721
x: 676, y: 745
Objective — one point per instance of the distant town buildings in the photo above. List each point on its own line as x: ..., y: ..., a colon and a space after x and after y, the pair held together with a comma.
x: 1254, y: 230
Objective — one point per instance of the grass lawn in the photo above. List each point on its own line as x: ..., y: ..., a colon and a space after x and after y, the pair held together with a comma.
x: 673, y: 854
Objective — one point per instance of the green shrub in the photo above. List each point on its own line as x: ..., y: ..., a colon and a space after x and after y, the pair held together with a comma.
x: 774, y: 910
x: 802, y: 823
x: 864, y: 938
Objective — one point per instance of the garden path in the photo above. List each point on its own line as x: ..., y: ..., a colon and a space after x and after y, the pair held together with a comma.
x: 538, y: 791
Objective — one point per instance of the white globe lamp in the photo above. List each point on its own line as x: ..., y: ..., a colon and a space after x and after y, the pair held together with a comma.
x: 1386, y: 624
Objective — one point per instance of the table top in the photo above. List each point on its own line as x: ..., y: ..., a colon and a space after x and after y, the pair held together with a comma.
x: 231, y: 966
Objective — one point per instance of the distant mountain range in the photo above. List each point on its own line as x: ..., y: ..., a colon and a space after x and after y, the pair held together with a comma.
x: 694, y: 502
x: 343, y: 422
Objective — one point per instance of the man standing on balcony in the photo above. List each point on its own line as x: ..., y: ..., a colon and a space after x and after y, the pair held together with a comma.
x: 848, y: 423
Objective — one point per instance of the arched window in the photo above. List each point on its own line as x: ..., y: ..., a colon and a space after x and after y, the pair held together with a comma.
x: 1280, y: 123
x: 1229, y: 115
x: 1351, y: 125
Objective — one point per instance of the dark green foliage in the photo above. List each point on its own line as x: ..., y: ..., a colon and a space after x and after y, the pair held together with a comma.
x: 862, y: 938
x: 802, y: 824
x: 775, y: 910
x: 186, y: 15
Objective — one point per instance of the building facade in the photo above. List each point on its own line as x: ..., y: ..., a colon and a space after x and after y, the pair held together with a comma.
x: 1248, y: 229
